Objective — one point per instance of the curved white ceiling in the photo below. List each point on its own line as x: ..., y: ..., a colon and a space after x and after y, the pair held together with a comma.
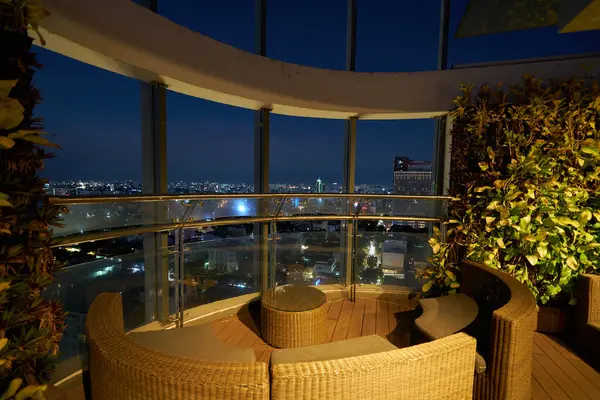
x: 120, y: 36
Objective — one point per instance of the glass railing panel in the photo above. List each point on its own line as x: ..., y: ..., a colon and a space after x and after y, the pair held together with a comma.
x: 307, y: 253
x: 76, y: 286
x: 422, y: 207
x: 88, y: 218
x: 391, y: 255
x: 219, y: 264
x: 237, y: 207
x: 316, y: 205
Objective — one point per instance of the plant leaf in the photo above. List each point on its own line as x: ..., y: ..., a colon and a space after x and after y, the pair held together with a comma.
x: 12, y: 388
x: 542, y: 251
x: 11, y: 113
x: 532, y: 258
x: 6, y: 86
x: 6, y: 143
x: 25, y: 132
x: 427, y: 286
x: 40, y: 140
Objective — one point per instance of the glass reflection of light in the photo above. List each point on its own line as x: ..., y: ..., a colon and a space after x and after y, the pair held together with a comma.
x: 102, y: 272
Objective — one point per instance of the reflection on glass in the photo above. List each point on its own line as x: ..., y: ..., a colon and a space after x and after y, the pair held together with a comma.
x: 391, y: 254
x: 220, y: 264
x: 77, y: 286
x: 308, y: 253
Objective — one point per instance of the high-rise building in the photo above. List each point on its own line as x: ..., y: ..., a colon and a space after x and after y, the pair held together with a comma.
x: 319, y: 187
x: 412, y: 177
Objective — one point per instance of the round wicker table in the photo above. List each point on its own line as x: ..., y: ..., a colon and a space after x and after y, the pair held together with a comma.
x: 294, y: 316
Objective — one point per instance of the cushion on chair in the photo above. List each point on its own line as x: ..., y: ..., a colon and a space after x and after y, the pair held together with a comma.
x: 197, y: 342
x: 446, y: 315
x: 332, y: 351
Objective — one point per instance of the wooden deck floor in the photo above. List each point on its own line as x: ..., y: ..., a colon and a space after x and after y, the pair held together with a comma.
x: 345, y: 320
x: 558, y: 374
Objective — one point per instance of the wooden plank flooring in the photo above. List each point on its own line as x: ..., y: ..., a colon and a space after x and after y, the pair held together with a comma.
x: 558, y: 373
x: 345, y: 320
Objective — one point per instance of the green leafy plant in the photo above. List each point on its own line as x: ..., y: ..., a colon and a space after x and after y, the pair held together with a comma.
x: 440, y: 274
x: 525, y: 168
x: 30, y: 326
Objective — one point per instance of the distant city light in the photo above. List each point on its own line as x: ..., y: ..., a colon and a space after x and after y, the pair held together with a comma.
x: 371, y: 249
x: 304, y: 247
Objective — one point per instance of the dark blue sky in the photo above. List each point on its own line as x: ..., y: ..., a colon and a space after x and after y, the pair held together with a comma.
x: 95, y: 114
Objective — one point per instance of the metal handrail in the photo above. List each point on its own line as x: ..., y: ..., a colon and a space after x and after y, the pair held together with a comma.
x: 352, y: 213
x: 62, y: 200
x: 121, y: 232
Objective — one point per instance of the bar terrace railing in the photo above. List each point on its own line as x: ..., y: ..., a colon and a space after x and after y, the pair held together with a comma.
x: 200, y: 248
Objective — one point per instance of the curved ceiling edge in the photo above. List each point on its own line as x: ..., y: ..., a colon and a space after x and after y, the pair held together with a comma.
x: 120, y: 36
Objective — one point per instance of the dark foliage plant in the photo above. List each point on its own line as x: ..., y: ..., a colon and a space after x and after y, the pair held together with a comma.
x: 525, y: 173
x: 30, y: 326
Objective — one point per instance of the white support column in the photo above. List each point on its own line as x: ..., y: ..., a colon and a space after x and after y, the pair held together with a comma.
x: 153, y: 106
x: 261, y: 160
x: 349, y: 168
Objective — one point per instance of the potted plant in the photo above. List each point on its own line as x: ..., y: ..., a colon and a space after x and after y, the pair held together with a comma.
x: 525, y: 166
x: 30, y: 326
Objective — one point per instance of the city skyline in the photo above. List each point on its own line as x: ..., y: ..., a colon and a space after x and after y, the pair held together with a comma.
x: 99, y: 128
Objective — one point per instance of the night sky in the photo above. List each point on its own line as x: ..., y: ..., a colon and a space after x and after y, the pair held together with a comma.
x: 95, y: 114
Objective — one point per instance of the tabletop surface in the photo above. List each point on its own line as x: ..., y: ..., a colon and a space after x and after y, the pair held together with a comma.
x: 293, y: 298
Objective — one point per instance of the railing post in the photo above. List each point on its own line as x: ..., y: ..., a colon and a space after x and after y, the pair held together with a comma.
x: 179, y: 267
x: 180, y: 275
x: 273, y: 254
x: 348, y: 227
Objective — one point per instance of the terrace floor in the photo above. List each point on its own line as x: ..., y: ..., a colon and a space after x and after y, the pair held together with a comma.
x: 558, y: 374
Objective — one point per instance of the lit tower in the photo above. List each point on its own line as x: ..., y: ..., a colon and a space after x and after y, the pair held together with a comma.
x: 319, y: 186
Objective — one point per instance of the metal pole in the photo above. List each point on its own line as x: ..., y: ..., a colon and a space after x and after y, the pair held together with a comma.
x: 178, y: 278
x: 181, y: 275
x: 348, y: 228
x: 273, y: 255
x: 351, y: 36
x: 444, y: 29
x: 189, y: 208
x: 353, y: 266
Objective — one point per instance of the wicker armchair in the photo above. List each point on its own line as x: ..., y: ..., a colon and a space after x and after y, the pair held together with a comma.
x: 586, y: 329
x: 122, y: 369
x: 441, y: 370
x: 503, y: 329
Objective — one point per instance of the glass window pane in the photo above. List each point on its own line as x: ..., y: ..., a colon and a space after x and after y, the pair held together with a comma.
x: 228, y: 21
x: 310, y: 32
x: 210, y: 146
x: 514, y: 45
x: 96, y: 120
x: 397, y: 35
x: 304, y: 151
x: 378, y: 145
